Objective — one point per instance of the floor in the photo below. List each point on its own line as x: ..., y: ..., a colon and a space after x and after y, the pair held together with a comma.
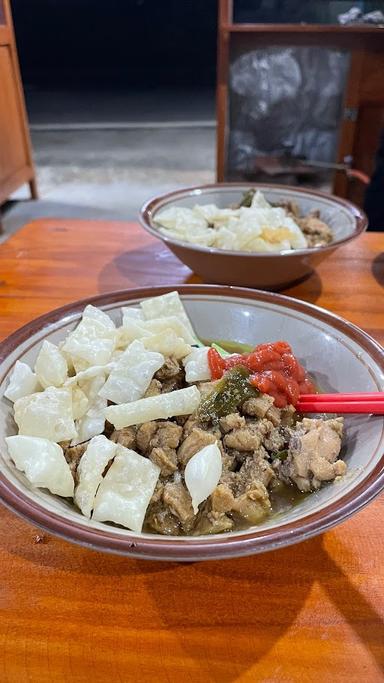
x: 102, y: 156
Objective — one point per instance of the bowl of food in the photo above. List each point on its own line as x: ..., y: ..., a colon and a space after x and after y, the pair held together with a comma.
x: 264, y: 236
x: 162, y: 425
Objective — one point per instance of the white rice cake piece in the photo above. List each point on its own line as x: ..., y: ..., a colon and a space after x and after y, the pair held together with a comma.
x: 80, y: 402
x: 131, y: 313
x: 79, y: 365
x: 88, y: 374
x: 225, y: 239
x: 92, y: 423
x: 297, y: 238
x: 129, y: 332
x: 170, y: 322
x: 213, y: 214
x: 97, y: 314
x: 22, y: 382
x: 251, y: 223
x: 93, y: 341
x: 166, y: 305
x: 180, y: 402
x: 202, y: 474
x: 132, y: 374
x: 68, y: 358
x: 124, y: 493
x: 168, y: 344
x: 249, y: 234
x: 196, y: 365
x: 91, y: 387
x: 99, y: 452
x: 275, y: 219
x: 178, y: 217
x: 47, y: 414
x: 43, y: 462
x: 51, y: 366
x: 259, y: 201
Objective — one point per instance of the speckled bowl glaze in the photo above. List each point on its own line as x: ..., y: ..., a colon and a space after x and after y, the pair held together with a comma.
x: 269, y: 271
x: 339, y: 356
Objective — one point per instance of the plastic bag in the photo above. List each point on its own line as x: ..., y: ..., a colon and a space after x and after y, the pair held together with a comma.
x: 286, y: 100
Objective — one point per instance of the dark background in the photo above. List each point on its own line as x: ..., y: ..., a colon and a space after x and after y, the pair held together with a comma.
x: 116, y: 43
x: 141, y: 43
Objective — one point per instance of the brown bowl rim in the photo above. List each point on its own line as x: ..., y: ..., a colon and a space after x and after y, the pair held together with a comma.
x: 189, y: 549
x: 152, y: 204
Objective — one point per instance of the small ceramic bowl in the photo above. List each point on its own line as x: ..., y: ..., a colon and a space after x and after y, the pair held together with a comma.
x: 271, y: 271
x: 339, y: 356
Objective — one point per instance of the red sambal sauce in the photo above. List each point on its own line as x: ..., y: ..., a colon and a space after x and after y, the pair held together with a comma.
x: 273, y: 368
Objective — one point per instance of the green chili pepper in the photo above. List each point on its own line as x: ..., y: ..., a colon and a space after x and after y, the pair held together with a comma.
x: 247, y: 198
x: 229, y: 393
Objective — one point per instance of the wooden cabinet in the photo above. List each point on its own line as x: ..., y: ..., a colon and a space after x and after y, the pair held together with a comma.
x: 366, y: 90
x: 16, y: 165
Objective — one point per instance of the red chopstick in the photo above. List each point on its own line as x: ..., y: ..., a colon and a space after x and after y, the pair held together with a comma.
x: 375, y: 396
x: 342, y: 403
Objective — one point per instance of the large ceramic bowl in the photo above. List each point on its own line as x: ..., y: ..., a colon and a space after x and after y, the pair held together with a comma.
x: 272, y: 271
x: 341, y: 358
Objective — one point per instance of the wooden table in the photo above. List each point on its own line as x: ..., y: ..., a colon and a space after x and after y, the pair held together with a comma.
x: 311, y: 612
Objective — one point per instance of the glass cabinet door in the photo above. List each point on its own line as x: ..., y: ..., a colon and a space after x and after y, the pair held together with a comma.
x: 285, y: 109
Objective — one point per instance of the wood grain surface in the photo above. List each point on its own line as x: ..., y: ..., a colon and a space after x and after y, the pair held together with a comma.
x: 311, y: 612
